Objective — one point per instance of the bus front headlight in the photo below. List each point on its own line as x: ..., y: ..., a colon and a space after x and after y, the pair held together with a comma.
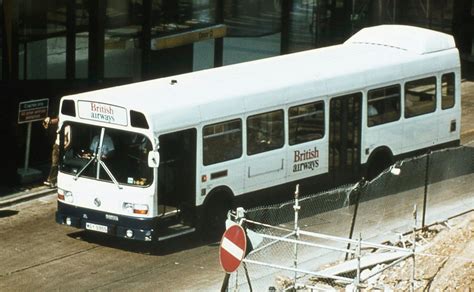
x: 68, y: 197
x: 128, y: 208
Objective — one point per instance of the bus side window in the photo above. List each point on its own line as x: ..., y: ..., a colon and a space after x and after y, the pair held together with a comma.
x: 265, y: 132
x: 306, y: 122
x: 383, y: 105
x: 447, y: 91
x: 222, y: 141
x: 420, y: 97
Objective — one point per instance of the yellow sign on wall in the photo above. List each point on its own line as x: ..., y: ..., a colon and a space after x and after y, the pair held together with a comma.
x: 185, y: 38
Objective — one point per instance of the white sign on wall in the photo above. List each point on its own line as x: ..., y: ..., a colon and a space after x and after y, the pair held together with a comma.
x: 102, y: 112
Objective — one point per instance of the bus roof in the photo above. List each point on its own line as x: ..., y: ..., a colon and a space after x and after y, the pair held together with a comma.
x: 373, y: 56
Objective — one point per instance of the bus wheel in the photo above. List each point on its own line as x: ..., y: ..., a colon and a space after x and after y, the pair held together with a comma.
x: 213, y: 225
x: 378, y: 163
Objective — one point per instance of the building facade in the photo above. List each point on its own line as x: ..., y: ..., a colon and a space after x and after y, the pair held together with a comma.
x: 52, y: 48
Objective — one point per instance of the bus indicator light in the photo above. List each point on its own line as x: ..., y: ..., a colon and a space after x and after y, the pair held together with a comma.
x: 140, y: 209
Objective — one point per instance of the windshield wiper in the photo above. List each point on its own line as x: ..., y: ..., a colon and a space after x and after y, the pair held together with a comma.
x: 104, y: 166
x: 109, y: 173
x: 84, y: 168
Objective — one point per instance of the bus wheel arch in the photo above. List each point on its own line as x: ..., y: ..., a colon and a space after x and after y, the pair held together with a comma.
x: 216, y: 206
x: 379, y: 160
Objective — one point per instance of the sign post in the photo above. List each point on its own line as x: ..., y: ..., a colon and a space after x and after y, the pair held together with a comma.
x: 28, y: 112
x: 232, y: 248
x: 232, y: 251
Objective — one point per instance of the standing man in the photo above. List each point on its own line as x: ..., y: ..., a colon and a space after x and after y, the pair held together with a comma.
x: 52, y: 179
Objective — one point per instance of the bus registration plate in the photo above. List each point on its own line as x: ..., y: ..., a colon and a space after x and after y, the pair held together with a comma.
x: 96, y: 227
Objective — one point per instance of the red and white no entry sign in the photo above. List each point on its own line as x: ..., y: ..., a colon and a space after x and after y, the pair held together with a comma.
x: 232, y: 248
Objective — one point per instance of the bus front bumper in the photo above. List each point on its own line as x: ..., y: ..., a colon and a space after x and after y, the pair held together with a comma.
x: 141, y: 229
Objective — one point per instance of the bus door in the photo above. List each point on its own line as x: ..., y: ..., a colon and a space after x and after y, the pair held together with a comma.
x: 344, y: 138
x: 176, y: 174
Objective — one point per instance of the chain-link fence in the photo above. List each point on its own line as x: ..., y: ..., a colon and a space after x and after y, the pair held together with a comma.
x: 296, y: 242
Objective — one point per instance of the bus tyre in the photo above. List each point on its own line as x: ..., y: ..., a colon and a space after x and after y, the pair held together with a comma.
x: 377, y: 164
x: 215, y: 215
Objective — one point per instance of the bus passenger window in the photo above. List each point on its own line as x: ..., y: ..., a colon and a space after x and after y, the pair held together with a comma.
x: 265, y: 132
x: 222, y: 142
x: 383, y: 105
x: 420, y: 97
x: 447, y: 91
x: 306, y: 122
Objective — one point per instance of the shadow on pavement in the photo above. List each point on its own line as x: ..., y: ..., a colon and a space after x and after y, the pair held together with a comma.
x: 8, y: 213
x: 170, y: 246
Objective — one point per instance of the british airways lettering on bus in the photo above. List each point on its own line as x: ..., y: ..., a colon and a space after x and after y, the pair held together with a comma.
x: 305, y: 160
x: 102, y: 112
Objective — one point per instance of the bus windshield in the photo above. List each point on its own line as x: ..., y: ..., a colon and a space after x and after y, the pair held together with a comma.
x: 106, y: 154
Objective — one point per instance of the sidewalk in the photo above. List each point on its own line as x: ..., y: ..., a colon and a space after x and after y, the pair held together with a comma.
x: 15, y: 195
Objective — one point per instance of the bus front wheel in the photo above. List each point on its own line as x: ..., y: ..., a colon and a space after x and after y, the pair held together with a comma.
x: 215, y: 215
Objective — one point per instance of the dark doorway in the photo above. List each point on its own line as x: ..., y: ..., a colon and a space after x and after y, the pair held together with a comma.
x: 177, y: 171
x: 344, y: 138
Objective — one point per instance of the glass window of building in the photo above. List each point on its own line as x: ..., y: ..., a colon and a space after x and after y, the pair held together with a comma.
x: 253, y: 30
x: 122, y: 38
x: 42, y: 39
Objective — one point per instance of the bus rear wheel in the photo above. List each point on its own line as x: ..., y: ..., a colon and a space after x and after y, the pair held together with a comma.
x: 377, y: 164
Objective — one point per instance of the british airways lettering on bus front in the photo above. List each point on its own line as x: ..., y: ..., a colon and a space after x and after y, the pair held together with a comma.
x: 102, y: 112
x: 305, y: 160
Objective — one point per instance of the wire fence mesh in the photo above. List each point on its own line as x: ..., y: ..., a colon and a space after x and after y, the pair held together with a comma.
x: 438, y: 183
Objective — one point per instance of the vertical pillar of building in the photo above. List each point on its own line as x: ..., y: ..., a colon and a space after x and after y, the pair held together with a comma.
x: 462, y: 25
x: 71, y: 39
x: 97, y: 18
x: 286, y: 6
x: 10, y: 40
x: 146, y: 39
x: 8, y: 110
x: 219, y: 42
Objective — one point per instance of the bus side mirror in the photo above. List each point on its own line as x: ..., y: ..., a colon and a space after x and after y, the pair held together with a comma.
x: 153, y: 159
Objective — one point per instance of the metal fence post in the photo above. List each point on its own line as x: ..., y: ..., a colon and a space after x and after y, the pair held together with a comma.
x: 296, y: 207
x: 357, y: 279
x: 425, y: 194
x: 412, y: 286
x: 357, y: 191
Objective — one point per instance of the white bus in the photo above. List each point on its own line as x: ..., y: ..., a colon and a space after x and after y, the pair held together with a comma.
x: 187, y: 148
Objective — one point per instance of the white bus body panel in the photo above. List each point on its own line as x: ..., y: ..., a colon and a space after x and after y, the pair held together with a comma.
x: 372, y: 58
x: 86, y: 192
